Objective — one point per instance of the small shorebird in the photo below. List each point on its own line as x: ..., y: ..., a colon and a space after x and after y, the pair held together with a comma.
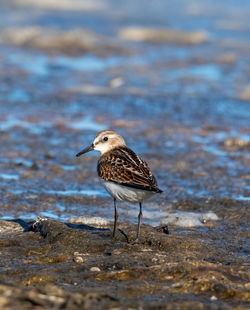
x: 124, y: 174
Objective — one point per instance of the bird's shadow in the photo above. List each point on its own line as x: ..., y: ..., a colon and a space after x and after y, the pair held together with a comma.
x: 28, y: 226
x: 85, y: 227
x: 24, y: 224
x: 94, y: 229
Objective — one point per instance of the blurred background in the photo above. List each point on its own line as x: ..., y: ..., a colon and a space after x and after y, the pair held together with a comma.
x: 172, y: 77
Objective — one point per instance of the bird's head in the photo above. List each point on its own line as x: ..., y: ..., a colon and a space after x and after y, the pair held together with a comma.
x: 104, y: 141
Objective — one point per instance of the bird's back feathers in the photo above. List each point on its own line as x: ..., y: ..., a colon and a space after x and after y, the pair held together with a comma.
x: 121, y: 165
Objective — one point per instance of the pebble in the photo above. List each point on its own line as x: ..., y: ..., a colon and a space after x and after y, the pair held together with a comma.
x: 95, y: 269
x: 116, y: 252
x: 78, y: 259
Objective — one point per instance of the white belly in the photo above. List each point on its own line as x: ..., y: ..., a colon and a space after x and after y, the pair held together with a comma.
x: 126, y: 193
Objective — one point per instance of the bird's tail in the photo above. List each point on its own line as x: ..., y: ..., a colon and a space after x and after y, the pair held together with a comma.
x: 157, y: 190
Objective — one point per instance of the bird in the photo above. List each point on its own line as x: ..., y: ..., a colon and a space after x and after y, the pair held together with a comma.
x: 124, y: 174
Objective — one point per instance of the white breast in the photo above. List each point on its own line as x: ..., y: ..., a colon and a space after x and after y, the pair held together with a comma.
x: 122, y: 192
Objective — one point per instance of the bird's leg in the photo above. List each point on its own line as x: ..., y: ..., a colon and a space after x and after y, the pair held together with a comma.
x: 139, y: 222
x: 115, y: 218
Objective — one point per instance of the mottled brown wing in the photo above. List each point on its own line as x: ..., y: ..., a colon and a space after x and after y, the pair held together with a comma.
x: 123, y: 166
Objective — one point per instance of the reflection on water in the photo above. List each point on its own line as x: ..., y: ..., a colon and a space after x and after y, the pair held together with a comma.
x: 210, y: 72
x: 76, y: 192
x: 243, y: 198
x: 87, y: 63
x: 86, y: 123
x: 40, y: 126
x: 9, y: 176
x: 18, y: 95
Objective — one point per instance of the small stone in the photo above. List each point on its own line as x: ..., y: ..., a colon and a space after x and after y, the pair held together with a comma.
x: 116, y: 252
x: 235, y: 144
x: 163, y: 229
x: 116, y: 82
x: 34, y: 166
x: 49, y: 156
x: 78, y: 259
x: 95, y: 269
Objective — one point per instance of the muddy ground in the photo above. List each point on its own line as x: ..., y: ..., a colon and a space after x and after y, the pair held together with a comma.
x: 70, y: 266
x: 173, y: 79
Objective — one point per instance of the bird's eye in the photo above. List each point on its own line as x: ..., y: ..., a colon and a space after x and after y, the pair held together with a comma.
x: 105, y: 139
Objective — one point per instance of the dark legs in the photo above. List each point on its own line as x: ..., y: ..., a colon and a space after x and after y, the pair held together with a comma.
x: 139, y: 222
x: 115, y: 218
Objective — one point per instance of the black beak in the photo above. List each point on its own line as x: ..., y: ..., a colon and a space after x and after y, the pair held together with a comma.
x: 86, y: 150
